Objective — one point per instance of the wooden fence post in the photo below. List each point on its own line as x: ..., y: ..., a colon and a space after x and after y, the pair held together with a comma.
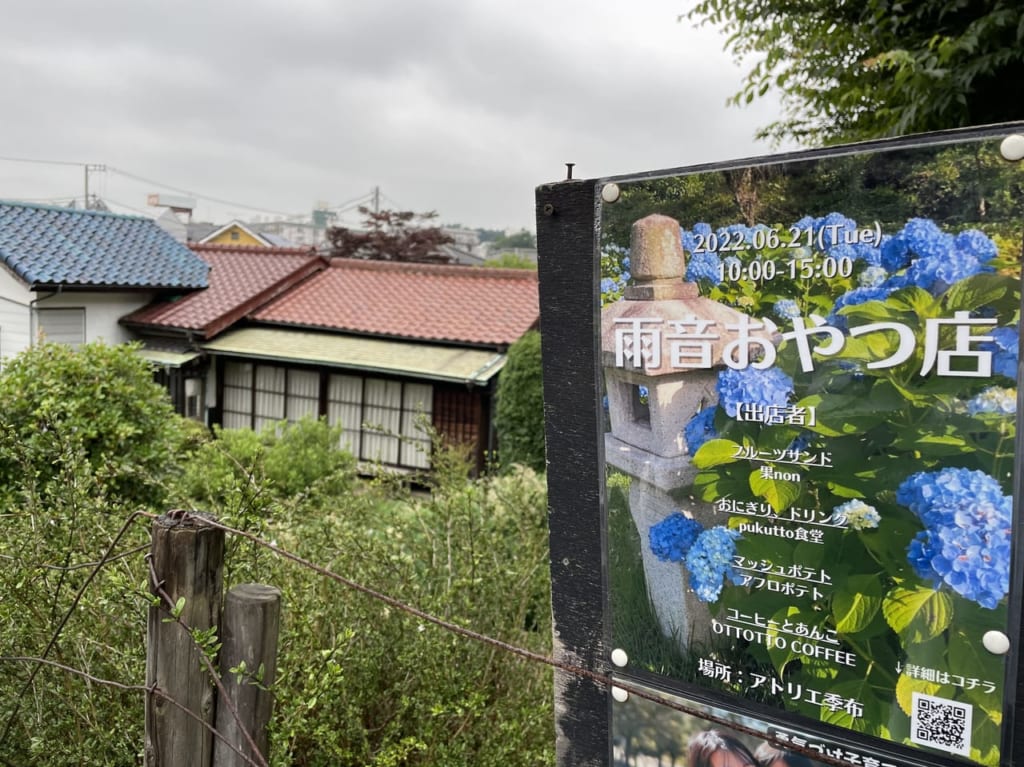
x: 252, y: 618
x: 187, y: 558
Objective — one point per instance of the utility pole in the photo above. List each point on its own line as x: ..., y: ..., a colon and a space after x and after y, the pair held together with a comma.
x: 376, y: 199
x: 88, y: 167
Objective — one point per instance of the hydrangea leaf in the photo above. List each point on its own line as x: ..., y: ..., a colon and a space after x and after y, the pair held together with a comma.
x: 918, y: 614
x: 873, y: 714
x: 857, y: 603
x: 907, y: 686
x: 916, y: 300
x: 780, y: 493
x: 716, y: 452
x: 841, y: 414
x: 972, y: 660
x: 979, y: 290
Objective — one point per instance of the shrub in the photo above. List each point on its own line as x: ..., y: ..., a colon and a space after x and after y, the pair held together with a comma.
x: 519, y: 415
x: 99, y: 402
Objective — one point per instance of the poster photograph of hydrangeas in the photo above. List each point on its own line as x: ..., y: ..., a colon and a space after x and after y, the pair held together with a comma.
x: 807, y: 405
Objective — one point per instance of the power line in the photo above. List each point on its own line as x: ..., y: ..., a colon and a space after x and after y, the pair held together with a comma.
x: 206, y: 197
x: 43, y: 162
x: 342, y: 207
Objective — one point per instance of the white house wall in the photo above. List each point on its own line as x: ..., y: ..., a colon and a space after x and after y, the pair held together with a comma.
x: 15, y: 325
x: 102, y: 311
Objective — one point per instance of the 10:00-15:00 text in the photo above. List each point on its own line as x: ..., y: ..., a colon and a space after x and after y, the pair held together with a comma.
x: 733, y: 270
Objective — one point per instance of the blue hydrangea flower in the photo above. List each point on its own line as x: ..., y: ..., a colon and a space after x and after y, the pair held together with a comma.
x: 977, y: 244
x: 895, y: 253
x: 710, y: 561
x: 700, y: 429
x: 926, y: 240
x: 728, y: 234
x: 994, y: 399
x: 704, y: 266
x: 937, y: 274
x: 1004, y: 345
x: 758, y: 387
x: 644, y: 394
x: 671, y: 539
x: 869, y: 254
x: 830, y: 229
x: 786, y: 308
x: 690, y: 237
x: 933, y: 259
x: 857, y: 515
x: 966, y: 540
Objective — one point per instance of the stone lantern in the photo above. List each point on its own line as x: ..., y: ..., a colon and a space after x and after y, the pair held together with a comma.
x: 664, y: 337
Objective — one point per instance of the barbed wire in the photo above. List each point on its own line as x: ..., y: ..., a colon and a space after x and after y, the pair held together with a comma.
x: 602, y: 679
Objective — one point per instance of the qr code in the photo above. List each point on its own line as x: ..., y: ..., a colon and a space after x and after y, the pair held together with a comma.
x: 941, y: 723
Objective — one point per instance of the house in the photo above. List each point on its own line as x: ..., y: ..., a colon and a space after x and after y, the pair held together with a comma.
x: 238, y: 233
x: 241, y: 279
x: 381, y: 349
x: 69, y: 275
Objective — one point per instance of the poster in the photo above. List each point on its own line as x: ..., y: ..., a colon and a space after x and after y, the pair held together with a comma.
x: 810, y: 407
x: 655, y: 728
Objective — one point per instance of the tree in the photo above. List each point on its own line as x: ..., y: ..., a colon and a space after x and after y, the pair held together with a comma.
x: 391, y: 235
x: 850, y: 71
x: 521, y: 239
x: 511, y: 261
x: 519, y: 414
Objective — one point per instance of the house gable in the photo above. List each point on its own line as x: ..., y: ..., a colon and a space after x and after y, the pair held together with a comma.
x: 238, y: 234
x: 241, y: 280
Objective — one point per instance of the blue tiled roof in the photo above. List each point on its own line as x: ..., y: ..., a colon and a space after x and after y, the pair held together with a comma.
x: 46, y: 245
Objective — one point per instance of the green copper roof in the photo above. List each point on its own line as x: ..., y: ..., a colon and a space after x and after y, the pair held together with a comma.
x: 433, y: 362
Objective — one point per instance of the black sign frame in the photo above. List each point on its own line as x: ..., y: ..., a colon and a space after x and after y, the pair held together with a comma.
x: 568, y: 231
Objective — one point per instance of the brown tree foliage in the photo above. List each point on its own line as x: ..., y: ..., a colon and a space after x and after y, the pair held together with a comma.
x: 391, y: 235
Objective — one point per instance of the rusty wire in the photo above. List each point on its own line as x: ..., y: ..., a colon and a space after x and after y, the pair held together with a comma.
x: 568, y: 668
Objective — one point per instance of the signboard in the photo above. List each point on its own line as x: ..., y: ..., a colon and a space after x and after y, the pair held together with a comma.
x: 804, y: 478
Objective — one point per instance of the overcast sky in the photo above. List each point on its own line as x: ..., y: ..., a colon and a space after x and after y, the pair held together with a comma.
x: 458, y: 106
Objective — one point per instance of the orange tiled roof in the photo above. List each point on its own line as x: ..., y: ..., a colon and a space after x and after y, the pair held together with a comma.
x: 240, y: 279
x: 464, y: 304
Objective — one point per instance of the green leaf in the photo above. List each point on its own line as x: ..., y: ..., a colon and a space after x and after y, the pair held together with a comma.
x: 780, y: 493
x: 977, y: 291
x: 716, y: 452
x: 178, y: 608
x: 918, y: 614
x: 907, y: 686
x: 856, y: 603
